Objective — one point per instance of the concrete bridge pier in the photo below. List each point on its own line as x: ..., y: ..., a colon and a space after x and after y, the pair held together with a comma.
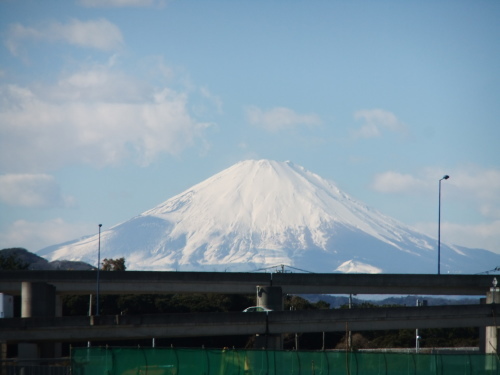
x: 38, y: 300
x: 491, y: 333
x: 270, y: 297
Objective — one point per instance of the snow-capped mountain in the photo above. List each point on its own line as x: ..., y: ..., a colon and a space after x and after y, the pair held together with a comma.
x: 261, y: 213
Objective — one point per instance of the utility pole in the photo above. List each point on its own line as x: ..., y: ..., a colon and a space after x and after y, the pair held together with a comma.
x: 98, y: 268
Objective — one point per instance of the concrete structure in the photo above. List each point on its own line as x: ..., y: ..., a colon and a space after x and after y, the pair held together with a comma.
x: 130, y: 282
x: 6, y: 311
x: 37, y: 300
x: 39, y: 291
x: 491, y: 332
x: 6, y: 306
x: 83, y: 328
x: 270, y: 297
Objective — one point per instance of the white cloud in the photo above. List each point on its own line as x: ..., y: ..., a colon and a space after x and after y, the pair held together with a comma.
x: 480, y: 183
x: 16, y: 34
x: 34, y: 236
x: 394, y: 182
x: 479, y: 236
x: 121, y: 3
x: 213, y: 99
x: 97, y: 117
x: 279, y: 118
x: 99, y: 34
x: 468, y: 183
x: 375, y: 121
x: 469, y: 187
x: 32, y: 190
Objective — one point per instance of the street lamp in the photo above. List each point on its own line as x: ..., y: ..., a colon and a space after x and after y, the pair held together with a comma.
x: 445, y: 177
x: 98, y: 267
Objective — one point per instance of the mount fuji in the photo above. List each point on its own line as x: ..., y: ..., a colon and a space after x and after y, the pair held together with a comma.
x: 262, y: 213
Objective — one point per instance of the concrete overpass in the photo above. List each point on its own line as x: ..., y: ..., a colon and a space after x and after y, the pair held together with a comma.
x: 82, y: 328
x: 144, y: 282
x: 40, y: 323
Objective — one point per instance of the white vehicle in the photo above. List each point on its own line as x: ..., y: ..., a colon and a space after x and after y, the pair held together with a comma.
x: 256, y: 309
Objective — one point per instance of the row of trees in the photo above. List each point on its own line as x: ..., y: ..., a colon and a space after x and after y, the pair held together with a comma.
x: 12, y: 262
x: 113, y: 264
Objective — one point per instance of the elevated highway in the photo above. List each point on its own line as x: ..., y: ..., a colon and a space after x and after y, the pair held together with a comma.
x: 40, y: 288
x: 82, y: 328
x: 143, y: 282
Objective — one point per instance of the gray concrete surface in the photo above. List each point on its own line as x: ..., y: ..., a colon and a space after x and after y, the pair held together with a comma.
x: 130, y: 282
x: 277, y: 322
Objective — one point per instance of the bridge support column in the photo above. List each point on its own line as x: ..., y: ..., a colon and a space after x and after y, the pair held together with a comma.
x: 37, y: 300
x: 7, y: 302
x: 270, y: 297
x: 491, y: 333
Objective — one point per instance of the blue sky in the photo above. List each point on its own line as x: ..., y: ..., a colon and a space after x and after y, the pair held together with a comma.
x: 110, y: 107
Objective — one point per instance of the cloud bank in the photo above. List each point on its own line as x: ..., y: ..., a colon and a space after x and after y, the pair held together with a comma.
x: 376, y: 121
x: 33, y: 191
x: 279, y: 118
x: 121, y: 3
x: 475, y: 185
x: 99, y: 34
x: 469, y: 183
x: 96, y: 116
x: 37, y: 235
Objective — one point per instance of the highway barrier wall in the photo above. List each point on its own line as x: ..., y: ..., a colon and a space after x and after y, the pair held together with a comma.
x: 180, y: 361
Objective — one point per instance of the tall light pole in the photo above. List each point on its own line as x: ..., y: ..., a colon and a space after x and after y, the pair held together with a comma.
x: 445, y: 177
x: 98, y: 267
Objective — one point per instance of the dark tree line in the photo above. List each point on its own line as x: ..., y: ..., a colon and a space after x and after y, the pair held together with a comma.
x: 11, y: 262
x: 113, y: 264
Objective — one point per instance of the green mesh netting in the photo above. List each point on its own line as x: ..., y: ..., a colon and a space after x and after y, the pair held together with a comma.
x: 174, y: 361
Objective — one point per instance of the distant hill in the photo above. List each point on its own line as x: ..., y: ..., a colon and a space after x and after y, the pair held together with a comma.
x: 338, y: 301
x: 35, y: 262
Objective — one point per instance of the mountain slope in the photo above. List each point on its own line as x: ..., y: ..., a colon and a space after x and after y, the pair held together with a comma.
x: 259, y: 213
x: 32, y: 261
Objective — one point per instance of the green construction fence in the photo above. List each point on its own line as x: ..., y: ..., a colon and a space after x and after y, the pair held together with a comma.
x: 183, y: 361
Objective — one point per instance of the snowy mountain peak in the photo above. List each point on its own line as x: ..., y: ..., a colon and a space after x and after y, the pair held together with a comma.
x: 266, y: 196
x: 260, y: 213
x: 255, y: 195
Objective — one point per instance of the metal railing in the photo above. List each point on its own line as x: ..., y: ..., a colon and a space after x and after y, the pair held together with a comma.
x: 14, y: 366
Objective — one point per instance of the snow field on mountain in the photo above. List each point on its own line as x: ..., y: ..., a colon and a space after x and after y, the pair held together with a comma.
x: 260, y: 213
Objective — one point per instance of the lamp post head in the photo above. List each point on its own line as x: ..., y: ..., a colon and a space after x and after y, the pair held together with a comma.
x: 100, y: 225
x: 445, y: 177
